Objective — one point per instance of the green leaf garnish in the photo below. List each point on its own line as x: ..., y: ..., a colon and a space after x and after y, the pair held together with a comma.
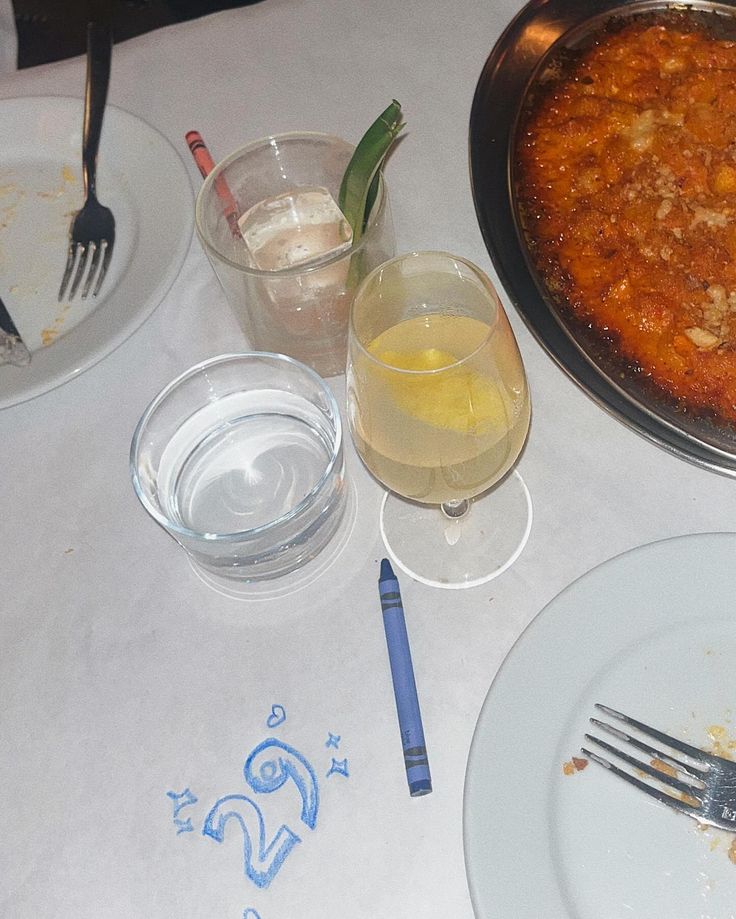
x: 360, y: 183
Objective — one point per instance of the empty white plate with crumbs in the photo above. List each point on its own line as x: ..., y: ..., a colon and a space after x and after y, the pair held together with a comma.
x: 651, y: 633
x: 141, y: 178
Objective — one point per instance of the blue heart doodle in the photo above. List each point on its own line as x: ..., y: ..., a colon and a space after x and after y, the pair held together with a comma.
x: 277, y: 716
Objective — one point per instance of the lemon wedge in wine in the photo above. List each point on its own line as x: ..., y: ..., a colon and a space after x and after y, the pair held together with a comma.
x: 460, y: 399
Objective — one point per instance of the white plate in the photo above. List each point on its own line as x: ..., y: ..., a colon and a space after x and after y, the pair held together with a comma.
x: 653, y: 634
x: 141, y: 178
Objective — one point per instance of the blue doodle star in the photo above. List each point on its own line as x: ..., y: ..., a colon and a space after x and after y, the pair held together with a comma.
x: 333, y: 740
x: 184, y: 798
x: 338, y: 767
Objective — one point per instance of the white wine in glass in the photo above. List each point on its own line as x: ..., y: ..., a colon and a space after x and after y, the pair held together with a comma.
x: 439, y: 410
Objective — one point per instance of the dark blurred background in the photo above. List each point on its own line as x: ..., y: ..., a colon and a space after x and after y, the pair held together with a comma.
x: 51, y: 30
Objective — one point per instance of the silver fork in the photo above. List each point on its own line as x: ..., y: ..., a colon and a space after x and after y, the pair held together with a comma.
x: 706, y: 783
x: 92, y: 232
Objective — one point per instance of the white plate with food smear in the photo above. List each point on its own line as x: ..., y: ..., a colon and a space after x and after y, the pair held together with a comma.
x: 651, y: 633
x: 141, y: 178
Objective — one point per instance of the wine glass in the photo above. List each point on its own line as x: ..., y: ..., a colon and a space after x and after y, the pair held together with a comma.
x: 438, y: 408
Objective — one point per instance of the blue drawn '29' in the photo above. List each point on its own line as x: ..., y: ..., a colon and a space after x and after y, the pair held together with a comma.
x: 269, y: 766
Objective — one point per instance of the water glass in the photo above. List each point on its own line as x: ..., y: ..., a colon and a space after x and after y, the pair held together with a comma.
x: 240, y: 460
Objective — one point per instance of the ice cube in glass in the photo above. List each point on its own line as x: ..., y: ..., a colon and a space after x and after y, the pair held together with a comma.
x: 294, y: 228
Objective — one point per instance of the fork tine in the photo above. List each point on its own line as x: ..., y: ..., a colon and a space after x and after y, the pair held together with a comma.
x: 694, y: 771
x: 698, y: 755
x: 93, y: 265
x: 71, y: 255
x: 660, y: 796
x: 105, y: 265
x: 92, y: 230
x: 81, y: 265
x: 647, y: 768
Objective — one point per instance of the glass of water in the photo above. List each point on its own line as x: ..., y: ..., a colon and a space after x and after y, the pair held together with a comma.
x: 240, y: 460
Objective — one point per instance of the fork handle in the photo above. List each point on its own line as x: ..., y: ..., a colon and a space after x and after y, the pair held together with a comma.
x: 99, y: 53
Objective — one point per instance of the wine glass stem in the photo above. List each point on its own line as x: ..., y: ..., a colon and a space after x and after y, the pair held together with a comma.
x: 456, y: 508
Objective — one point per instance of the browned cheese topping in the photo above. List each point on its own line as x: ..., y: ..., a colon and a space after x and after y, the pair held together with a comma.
x: 627, y: 183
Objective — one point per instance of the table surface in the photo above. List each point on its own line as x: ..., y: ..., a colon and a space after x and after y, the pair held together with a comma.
x: 132, y: 693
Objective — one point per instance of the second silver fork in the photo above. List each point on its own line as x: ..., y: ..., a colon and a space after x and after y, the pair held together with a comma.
x: 92, y: 232
x: 703, y: 786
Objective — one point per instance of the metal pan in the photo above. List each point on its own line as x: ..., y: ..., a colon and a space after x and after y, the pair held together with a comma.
x: 541, y: 29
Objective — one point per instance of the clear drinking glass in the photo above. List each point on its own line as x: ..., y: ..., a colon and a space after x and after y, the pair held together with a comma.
x: 300, y: 310
x: 439, y: 409
x: 240, y: 460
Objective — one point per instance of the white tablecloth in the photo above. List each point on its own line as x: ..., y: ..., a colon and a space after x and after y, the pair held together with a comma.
x: 126, y: 682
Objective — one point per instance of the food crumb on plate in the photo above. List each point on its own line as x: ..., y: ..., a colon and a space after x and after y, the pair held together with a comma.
x: 51, y: 333
x: 67, y: 177
x: 573, y: 765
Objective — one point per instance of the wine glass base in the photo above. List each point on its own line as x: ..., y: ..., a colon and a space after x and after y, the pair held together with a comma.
x: 464, y: 552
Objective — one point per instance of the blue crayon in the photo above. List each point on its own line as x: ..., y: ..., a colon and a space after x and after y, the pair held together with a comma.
x: 405, y: 689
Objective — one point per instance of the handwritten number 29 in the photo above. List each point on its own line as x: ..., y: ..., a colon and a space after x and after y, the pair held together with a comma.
x: 261, y: 862
x: 272, y: 763
x: 268, y: 767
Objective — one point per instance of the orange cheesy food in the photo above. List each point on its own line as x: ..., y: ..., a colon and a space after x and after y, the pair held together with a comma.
x: 626, y: 182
